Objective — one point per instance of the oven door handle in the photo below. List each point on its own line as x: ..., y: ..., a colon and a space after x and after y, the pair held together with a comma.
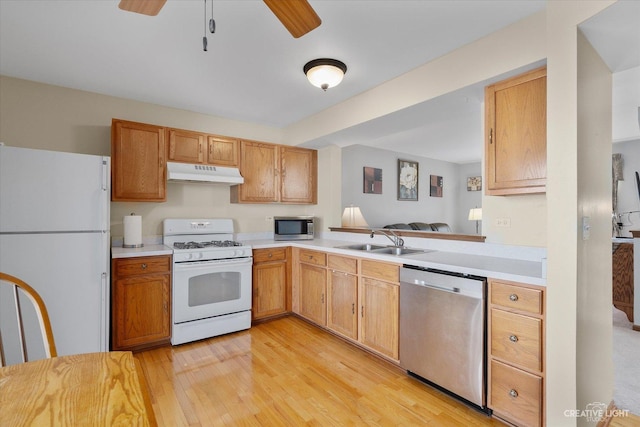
x: 189, y: 265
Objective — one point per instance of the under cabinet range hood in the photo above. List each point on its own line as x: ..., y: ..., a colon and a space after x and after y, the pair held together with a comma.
x: 203, y: 173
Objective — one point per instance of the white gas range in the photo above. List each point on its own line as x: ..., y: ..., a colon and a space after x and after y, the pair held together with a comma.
x: 211, y: 279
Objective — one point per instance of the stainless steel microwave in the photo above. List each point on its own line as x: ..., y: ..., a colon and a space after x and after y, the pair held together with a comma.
x: 293, y: 227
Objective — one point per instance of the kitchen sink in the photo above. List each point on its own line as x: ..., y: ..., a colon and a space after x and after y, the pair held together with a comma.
x: 363, y: 247
x: 379, y: 249
x: 399, y: 251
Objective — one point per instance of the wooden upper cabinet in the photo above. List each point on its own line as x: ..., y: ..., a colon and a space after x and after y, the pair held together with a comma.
x: 516, y: 134
x: 138, y: 162
x: 276, y: 174
x: 223, y: 151
x: 186, y: 146
x: 259, y: 167
x: 195, y: 147
x: 298, y: 175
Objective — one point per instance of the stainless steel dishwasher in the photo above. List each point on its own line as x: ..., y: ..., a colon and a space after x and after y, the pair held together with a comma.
x: 442, y: 331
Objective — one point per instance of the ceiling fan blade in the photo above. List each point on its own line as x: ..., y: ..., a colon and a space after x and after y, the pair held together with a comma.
x: 145, y: 7
x: 296, y: 15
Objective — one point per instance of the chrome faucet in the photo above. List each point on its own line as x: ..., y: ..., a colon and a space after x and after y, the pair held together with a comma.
x: 389, y: 234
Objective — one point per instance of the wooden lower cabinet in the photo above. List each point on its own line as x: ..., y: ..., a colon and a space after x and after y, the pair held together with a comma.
x: 141, y: 302
x: 270, y: 282
x: 343, y: 296
x: 516, y: 352
x: 353, y: 297
x: 379, y: 315
x: 313, y: 291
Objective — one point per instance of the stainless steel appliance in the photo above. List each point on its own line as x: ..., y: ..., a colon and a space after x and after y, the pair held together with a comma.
x: 54, y: 235
x: 293, y: 227
x: 211, y: 279
x: 442, y: 331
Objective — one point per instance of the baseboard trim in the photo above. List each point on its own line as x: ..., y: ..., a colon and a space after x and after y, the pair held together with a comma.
x: 606, y: 420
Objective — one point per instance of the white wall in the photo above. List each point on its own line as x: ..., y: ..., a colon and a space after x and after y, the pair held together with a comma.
x: 382, y: 209
x: 628, y: 197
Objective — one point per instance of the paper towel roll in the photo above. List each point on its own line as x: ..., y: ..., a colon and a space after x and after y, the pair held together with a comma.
x: 132, y: 231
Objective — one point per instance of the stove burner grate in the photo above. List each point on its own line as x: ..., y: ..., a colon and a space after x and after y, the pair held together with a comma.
x: 201, y: 245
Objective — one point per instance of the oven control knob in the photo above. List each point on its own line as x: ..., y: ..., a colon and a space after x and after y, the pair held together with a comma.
x: 187, y: 256
x: 197, y: 256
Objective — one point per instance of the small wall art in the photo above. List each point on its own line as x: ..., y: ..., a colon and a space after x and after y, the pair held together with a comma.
x: 407, y: 180
x: 372, y: 181
x: 474, y: 183
x: 435, y: 189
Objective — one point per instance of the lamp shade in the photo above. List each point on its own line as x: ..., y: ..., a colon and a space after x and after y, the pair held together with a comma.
x: 352, y: 217
x: 475, y: 214
x: 325, y: 72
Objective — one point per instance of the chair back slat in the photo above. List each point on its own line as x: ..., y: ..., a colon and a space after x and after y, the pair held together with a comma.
x: 19, y: 288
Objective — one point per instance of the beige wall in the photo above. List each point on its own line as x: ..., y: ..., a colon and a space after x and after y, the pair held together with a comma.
x: 564, y: 203
x: 594, y: 326
x: 42, y: 116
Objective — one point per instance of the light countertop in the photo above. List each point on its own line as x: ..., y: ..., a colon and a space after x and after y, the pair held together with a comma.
x: 146, y: 250
x: 517, y: 270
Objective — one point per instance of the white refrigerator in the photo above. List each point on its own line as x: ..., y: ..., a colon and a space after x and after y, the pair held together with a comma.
x: 54, y: 235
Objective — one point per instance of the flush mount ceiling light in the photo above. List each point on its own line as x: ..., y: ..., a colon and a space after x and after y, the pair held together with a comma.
x: 324, y: 72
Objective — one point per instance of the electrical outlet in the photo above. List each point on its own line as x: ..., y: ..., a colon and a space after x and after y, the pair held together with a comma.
x: 503, y: 222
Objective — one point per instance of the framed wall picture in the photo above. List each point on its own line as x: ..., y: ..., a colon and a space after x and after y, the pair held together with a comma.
x: 435, y: 189
x: 372, y: 180
x: 407, y: 180
x: 474, y: 183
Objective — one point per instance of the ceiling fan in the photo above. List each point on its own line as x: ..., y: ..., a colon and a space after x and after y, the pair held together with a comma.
x: 297, y: 16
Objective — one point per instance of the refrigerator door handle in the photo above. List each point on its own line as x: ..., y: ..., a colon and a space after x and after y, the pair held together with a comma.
x: 105, y: 174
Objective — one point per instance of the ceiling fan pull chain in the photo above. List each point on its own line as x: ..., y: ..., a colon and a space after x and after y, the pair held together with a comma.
x: 212, y: 22
x: 204, y: 38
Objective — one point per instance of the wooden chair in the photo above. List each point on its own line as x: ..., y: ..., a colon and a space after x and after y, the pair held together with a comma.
x: 41, y: 312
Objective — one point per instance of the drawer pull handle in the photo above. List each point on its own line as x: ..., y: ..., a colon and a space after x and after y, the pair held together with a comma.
x: 513, y: 393
x: 144, y: 266
x: 513, y: 338
x: 513, y: 297
x: 270, y: 255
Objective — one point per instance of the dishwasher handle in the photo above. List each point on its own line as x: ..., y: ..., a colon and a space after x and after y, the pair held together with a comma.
x: 455, y: 290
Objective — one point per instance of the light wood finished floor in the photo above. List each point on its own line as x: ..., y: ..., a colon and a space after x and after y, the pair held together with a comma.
x: 289, y: 373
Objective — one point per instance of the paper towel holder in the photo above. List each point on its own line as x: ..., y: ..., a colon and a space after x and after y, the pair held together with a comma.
x: 137, y: 245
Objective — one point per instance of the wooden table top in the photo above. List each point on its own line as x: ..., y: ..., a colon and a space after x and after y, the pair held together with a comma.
x: 94, y: 389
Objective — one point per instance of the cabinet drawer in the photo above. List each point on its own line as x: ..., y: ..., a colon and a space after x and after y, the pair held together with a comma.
x: 142, y: 265
x: 516, y: 338
x: 379, y: 270
x: 270, y: 254
x: 515, y: 395
x: 516, y: 297
x: 313, y: 257
x: 344, y: 264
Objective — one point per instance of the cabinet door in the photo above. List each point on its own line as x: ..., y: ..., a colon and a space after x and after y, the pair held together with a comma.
x: 269, y: 289
x: 379, y: 311
x: 138, y: 162
x: 313, y: 284
x: 516, y: 139
x: 186, y: 146
x: 141, y: 312
x: 343, y: 299
x: 259, y: 167
x: 223, y: 151
x: 299, y: 168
